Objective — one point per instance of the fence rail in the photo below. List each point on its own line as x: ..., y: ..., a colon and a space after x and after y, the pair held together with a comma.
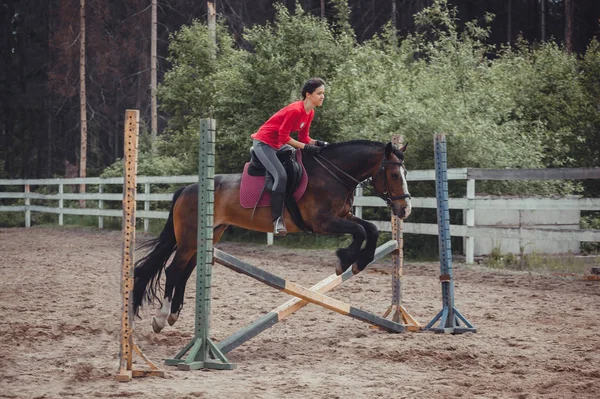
x: 469, y: 205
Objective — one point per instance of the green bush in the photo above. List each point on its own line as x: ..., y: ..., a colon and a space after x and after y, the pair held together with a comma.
x: 526, y: 106
x: 512, y: 107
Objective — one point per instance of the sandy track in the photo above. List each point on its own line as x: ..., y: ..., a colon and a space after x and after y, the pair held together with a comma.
x: 539, y: 335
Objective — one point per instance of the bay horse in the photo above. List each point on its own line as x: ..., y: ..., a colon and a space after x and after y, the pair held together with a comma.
x: 325, y: 207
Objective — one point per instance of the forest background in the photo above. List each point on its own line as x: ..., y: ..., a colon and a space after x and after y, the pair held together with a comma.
x: 514, y: 83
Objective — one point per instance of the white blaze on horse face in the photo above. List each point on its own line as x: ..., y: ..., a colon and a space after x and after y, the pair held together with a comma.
x: 405, y: 189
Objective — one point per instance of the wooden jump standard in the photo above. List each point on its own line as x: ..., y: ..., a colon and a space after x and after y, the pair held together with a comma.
x: 396, y: 310
x: 304, y: 293
x: 293, y: 305
x: 126, y: 369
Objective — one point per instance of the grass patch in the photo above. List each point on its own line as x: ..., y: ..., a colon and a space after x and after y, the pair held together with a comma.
x: 12, y: 219
x: 569, y: 263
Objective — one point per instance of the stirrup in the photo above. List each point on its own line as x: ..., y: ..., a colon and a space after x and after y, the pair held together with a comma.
x: 279, y: 227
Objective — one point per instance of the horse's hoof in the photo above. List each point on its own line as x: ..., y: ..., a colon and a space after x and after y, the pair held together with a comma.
x: 173, y: 318
x: 361, y: 264
x: 344, y: 261
x: 156, y: 325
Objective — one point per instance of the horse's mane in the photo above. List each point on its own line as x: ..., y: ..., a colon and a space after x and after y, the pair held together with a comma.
x: 369, y: 143
x: 363, y: 143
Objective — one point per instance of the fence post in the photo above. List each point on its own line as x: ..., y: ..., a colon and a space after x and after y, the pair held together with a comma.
x: 100, y: 206
x: 27, y: 205
x: 61, y: 204
x: 146, y: 206
x: 470, y: 221
x: 358, y: 208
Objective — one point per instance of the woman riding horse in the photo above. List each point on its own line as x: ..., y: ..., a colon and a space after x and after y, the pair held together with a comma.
x: 274, y: 136
x: 333, y: 173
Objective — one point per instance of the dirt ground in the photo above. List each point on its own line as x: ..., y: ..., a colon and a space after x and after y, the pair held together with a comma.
x: 538, y: 335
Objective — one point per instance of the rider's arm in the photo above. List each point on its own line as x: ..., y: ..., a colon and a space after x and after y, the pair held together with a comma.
x: 297, y: 144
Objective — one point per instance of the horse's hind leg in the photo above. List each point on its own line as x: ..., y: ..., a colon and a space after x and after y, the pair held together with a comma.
x: 179, y: 295
x: 173, y: 274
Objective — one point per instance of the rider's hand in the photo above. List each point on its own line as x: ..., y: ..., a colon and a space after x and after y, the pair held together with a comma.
x: 311, y: 149
x: 320, y: 143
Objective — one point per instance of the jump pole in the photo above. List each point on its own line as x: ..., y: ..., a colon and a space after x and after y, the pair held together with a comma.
x: 397, y: 311
x: 126, y: 370
x: 293, y: 305
x: 203, y: 352
x: 451, y: 321
x: 301, y: 292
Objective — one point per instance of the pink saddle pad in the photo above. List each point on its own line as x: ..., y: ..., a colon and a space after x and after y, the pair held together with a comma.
x: 251, y: 187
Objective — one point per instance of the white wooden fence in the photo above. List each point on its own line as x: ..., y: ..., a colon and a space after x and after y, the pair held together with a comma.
x: 469, y: 204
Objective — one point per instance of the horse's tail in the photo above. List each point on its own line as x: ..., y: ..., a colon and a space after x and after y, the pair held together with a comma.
x: 148, y: 270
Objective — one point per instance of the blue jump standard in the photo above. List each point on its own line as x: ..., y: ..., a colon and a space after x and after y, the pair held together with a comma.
x: 451, y: 321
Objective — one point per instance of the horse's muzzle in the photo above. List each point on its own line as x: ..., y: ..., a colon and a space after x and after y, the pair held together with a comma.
x: 402, y: 211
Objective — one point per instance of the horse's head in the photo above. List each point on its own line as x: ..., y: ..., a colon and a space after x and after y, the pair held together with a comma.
x: 390, y: 181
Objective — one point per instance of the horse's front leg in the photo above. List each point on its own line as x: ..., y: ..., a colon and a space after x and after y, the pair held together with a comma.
x: 347, y: 256
x: 173, y: 274
x: 367, y: 254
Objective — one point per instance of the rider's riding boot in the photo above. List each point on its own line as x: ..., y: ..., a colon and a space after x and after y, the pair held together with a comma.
x: 277, y: 213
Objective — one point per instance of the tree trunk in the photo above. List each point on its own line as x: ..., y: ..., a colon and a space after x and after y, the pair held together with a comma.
x: 49, y: 164
x: 82, y: 100
x: 509, y: 27
x: 568, y: 27
x: 154, y: 122
x: 322, y: 9
x: 212, y: 27
x: 543, y: 20
x: 394, y: 21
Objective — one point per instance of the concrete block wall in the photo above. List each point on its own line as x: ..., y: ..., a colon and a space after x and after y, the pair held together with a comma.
x: 541, y: 219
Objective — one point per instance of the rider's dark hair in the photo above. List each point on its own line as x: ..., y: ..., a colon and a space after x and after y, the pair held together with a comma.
x: 311, y: 85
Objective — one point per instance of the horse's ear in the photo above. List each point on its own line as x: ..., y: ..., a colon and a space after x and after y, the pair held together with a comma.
x: 403, y: 148
x: 389, y: 148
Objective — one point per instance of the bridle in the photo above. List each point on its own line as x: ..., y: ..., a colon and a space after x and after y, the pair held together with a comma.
x: 368, y: 184
x: 386, y: 194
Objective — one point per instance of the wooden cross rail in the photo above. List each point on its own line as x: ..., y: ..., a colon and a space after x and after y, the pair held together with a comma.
x: 304, y: 293
x: 293, y: 305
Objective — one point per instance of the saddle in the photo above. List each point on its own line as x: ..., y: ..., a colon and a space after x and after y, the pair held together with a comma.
x: 257, y: 183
